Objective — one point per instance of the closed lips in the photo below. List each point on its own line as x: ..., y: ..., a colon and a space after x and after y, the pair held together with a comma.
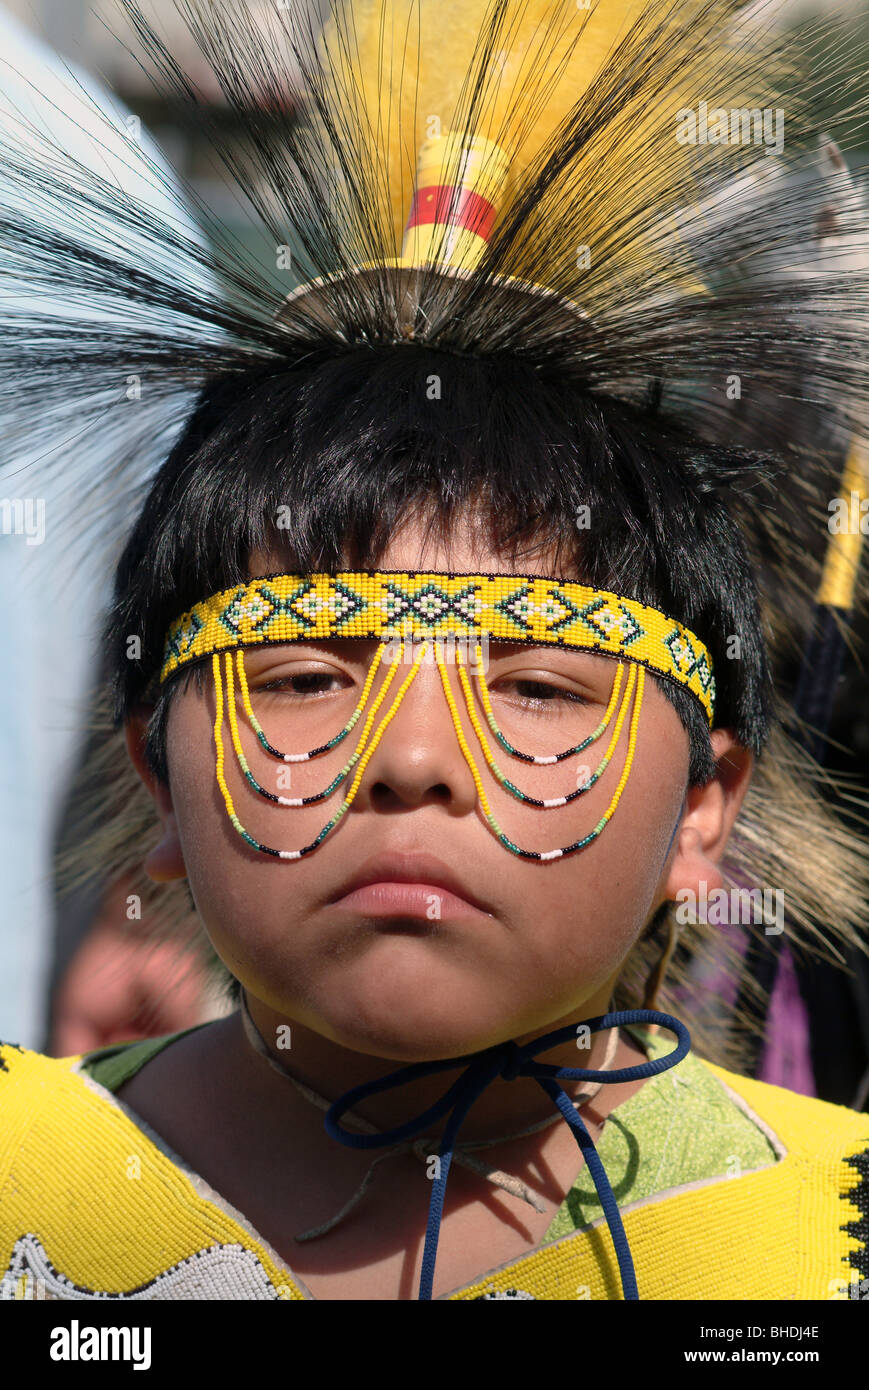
x: 423, y: 872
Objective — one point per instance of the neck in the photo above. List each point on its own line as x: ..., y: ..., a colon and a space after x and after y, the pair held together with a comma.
x: 330, y: 1069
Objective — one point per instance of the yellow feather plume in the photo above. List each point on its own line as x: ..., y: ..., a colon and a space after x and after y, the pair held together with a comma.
x: 445, y: 96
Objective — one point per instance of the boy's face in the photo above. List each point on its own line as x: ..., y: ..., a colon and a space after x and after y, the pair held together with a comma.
x: 507, y: 947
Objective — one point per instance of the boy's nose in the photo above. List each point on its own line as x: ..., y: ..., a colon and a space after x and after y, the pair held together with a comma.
x: 418, y: 759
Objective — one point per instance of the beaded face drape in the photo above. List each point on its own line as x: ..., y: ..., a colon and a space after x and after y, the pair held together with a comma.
x: 446, y: 619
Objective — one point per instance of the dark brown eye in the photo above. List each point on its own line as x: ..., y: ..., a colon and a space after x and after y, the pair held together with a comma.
x: 306, y: 683
x: 530, y: 692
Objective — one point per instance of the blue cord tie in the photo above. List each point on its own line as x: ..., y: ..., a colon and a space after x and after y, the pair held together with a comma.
x: 508, y: 1060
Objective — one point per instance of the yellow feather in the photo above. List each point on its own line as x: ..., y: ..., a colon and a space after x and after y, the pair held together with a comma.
x: 510, y: 73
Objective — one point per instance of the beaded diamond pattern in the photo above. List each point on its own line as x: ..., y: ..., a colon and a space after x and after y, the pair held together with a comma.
x: 376, y: 604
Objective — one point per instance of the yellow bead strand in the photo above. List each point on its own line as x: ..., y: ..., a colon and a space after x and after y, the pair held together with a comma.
x: 323, y: 747
x: 384, y: 723
x: 634, y: 680
x: 539, y: 760
x: 505, y: 781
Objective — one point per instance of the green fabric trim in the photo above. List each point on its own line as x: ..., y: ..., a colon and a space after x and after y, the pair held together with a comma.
x: 679, y: 1127
x: 113, y: 1065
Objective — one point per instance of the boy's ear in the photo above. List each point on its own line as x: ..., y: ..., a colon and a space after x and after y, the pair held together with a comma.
x: 165, y: 862
x: 707, y: 818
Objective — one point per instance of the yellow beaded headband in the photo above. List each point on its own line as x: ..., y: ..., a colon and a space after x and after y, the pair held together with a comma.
x: 383, y: 604
x: 392, y: 605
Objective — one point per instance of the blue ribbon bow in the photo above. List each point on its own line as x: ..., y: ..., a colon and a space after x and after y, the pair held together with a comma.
x: 508, y: 1060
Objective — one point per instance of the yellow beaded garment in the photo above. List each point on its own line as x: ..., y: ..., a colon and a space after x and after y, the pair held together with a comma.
x: 790, y: 1225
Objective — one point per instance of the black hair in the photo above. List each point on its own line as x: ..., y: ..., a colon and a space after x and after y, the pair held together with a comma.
x: 344, y: 448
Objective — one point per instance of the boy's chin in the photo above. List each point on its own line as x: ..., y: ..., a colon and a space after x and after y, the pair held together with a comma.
x: 402, y: 999
x: 426, y: 1024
